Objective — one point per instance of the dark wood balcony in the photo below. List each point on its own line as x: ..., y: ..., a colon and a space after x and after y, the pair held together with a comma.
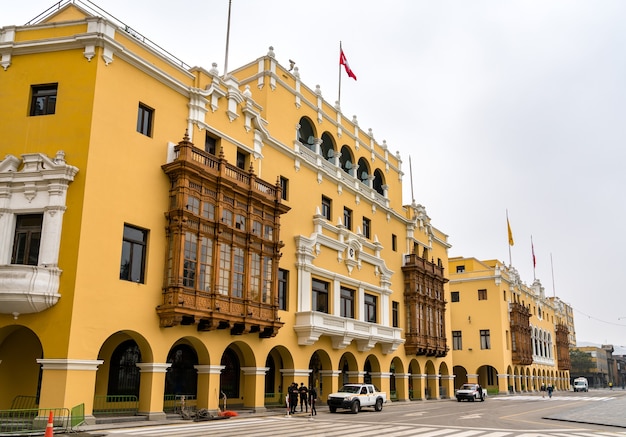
x: 224, y: 246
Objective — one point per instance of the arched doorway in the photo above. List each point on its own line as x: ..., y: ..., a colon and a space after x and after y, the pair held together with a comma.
x: 230, y: 376
x: 124, y: 374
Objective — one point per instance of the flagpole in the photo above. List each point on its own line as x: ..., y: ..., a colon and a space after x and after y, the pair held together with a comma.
x: 227, y: 40
x: 552, y: 268
x: 532, y: 247
x: 339, y: 96
x: 510, y: 237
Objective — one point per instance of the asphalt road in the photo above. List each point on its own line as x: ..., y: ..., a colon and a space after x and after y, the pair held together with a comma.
x: 527, y: 415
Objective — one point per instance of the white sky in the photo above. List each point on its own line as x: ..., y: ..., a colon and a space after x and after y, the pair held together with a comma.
x: 516, y: 105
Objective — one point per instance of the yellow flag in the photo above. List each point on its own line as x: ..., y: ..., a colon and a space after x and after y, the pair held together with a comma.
x: 511, y: 242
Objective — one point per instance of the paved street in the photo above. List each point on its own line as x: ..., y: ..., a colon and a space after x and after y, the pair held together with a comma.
x: 597, y: 413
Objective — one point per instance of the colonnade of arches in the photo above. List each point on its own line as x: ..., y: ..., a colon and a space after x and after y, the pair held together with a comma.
x: 343, y: 157
x: 542, y: 343
x: 127, y: 365
x: 517, y: 379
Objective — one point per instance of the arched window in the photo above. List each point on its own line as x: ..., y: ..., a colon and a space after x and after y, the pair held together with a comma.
x: 182, y: 377
x: 306, y: 133
x: 328, y: 147
x: 364, y: 170
x: 123, y: 372
x: 379, y: 181
x: 346, y: 161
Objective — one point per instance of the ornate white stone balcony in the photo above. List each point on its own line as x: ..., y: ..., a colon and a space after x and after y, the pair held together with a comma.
x: 311, y: 325
x: 28, y: 289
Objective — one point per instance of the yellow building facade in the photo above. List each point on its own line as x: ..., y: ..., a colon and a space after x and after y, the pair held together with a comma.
x: 506, y: 335
x: 173, y: 232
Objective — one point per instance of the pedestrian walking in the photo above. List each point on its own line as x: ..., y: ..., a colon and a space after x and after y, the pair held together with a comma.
x: 543, y: 390
x: 550, y: 390
x: 313, y: 400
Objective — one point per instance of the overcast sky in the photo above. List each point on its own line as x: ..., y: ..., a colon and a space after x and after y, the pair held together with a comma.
x: 502, y: 105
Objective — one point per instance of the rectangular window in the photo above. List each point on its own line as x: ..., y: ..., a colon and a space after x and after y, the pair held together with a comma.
x: 394, y: 242
x: 367, y: 227
x: 347, y: 303
x: 255, y: 277
x: 326, y: 203
x: 240, y: 221
x: 193, y: 205
x: 27, y: 239
x: 370, y: 308
x: 482, y: 294
x: 395, y: 314
x: 210, y: 144
x: 238, y: 276
x: 133, y: 254
x: 320, y: 296
x: 224, y: 272
x: 454, y: 296
x: 283, y: 289
x: 206, y: 264
x: 266, y: 297
x: 457, y: 341
x: 241, y: 159
x: 284, y: 185
x: 460, y: 269
x: 145, y: 117
x: 485, y: 339
x: 190, y: 254
x: 43, y: 99
x: 347, y: 218
x: 208, y: 211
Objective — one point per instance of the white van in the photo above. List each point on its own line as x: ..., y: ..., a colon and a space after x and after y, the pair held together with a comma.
x: 581, y: 384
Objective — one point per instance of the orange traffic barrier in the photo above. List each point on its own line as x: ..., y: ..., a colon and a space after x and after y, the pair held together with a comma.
x: 50, y: 426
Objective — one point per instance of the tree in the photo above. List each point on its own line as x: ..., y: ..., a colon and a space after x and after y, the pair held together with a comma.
x: 581, y: 362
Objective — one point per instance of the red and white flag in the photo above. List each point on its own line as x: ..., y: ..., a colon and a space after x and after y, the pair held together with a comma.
x: 343, y: 61
x: 532, y: 248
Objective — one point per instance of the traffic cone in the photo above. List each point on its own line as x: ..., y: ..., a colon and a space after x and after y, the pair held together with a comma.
x: 50, y: 426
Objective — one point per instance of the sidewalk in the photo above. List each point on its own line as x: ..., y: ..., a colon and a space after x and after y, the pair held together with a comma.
x: 609, y: 413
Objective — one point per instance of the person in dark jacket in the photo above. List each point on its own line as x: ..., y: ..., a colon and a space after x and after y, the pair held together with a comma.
x: 313, y: 400
x: 304, y: 397
x: 293, y: 397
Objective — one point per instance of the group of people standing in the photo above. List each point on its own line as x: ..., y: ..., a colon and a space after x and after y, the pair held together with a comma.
x: 307, y: 397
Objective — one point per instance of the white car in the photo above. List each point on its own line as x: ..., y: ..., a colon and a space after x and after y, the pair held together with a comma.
x: 471, y: 392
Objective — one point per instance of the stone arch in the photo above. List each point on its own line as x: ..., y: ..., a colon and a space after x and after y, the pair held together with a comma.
x: 460, y: 376
x: 372, y: 371
x: 349, y: 369
x: 20, y: 374
x: 327, y: 148
x: 416, y: 383
x: 306, y: 133
x: 432, y: 380
x: 397, y: 380
x: 346, y: 161
x: 278, y: 358
x: 364, y: 171
x: 379, y: 182
x: 120, y: 354
x: 236, y: 382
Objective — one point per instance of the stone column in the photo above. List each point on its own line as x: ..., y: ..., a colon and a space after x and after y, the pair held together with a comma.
x: 330, y: 384
x: 254, y: 388
x: 382, y: 381
x: 209, y: 387
x: 433, y: 386
x: 151, y: 389
x: 447, y: 382
x: 402, y: 386
x: 67, y: 383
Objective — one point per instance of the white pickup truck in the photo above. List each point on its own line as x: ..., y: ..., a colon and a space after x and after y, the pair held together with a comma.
x: 355, y: 396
